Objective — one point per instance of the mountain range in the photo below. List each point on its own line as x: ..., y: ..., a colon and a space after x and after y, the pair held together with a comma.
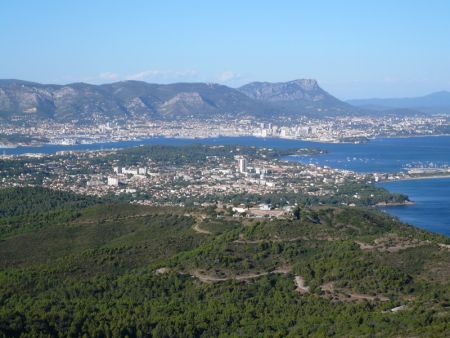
x: 128, y: 99
x: 29, y: 101
x: 438, y: 102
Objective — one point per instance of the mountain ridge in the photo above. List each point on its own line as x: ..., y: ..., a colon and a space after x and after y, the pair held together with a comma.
x: 431, y: 103
x: 297, y: 94
x: 128, y: 99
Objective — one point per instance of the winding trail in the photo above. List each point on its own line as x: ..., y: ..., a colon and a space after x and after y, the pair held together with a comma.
x: 348, y: 295
x: 392, y: 244
x: 244, y: 277
x: 196, y: 226
x: 97, y: 221
x: 208, y: 278
x: 241, y: 240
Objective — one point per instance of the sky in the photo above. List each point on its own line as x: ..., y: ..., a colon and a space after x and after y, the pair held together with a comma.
x: 353, y: 48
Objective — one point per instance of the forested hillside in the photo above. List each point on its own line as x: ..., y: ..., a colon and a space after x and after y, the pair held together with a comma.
x: 103, y: 269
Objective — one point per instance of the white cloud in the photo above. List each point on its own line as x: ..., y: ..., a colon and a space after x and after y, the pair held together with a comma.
x: 110, y: 76
x: 163, y: 75
x: 228, y: 76
x: 101, y: 78
x: 168, y: 76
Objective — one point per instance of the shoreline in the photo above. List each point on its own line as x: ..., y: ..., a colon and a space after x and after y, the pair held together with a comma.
x: 409, y: 136
x: 407, y: 203
x: 394, y: 204
x: 417, y: 178
x: 312, y: 140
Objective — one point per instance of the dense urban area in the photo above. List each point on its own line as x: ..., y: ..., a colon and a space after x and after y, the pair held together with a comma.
x: 336, y: 129
x: 184, y: 175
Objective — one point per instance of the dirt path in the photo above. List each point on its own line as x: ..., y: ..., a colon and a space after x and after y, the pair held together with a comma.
x: 382, y: 248
x: 208, y: 278
x: 300, y: 283
x: 391, y: 243
x: 360, y: 296
x: 244, y: 277
x: 444, y: 246
x: 196, y: 226
x: 241, y: 240
x: 283, y: 269
x: 113, y: 219
x: 348, y: 295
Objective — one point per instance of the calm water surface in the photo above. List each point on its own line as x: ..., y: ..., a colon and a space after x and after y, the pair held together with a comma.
x: 379, y: 155
x: 432, y: 208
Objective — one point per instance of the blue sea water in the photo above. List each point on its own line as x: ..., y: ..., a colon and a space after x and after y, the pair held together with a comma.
x: 378, y: 155
x: 432, y: 208
x: 432, y: 196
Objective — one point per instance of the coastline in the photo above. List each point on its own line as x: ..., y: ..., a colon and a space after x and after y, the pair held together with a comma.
x: 431, y: 177
x: 408, y: 136
x: 395, y: 204
x: 313, y: 140
x: 8, y: 146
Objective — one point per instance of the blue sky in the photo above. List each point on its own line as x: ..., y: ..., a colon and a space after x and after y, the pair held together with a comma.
x: 353, y: 48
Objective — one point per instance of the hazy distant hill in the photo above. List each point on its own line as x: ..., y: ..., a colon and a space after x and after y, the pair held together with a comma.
x: 438, y: 102
x: 81, y: 101
x: 297, y: 96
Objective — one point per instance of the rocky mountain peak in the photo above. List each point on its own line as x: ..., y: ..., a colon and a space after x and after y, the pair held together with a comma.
x: 303, y: 89
x: 306, y: 84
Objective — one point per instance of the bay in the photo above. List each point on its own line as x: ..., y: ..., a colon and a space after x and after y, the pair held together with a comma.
x: 378, y: 155
x: 431, y: 210
x: 387, y: 155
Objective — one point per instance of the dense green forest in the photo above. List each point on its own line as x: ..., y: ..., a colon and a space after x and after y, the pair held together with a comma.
x: 76, y: 266
x: 25, y: 209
